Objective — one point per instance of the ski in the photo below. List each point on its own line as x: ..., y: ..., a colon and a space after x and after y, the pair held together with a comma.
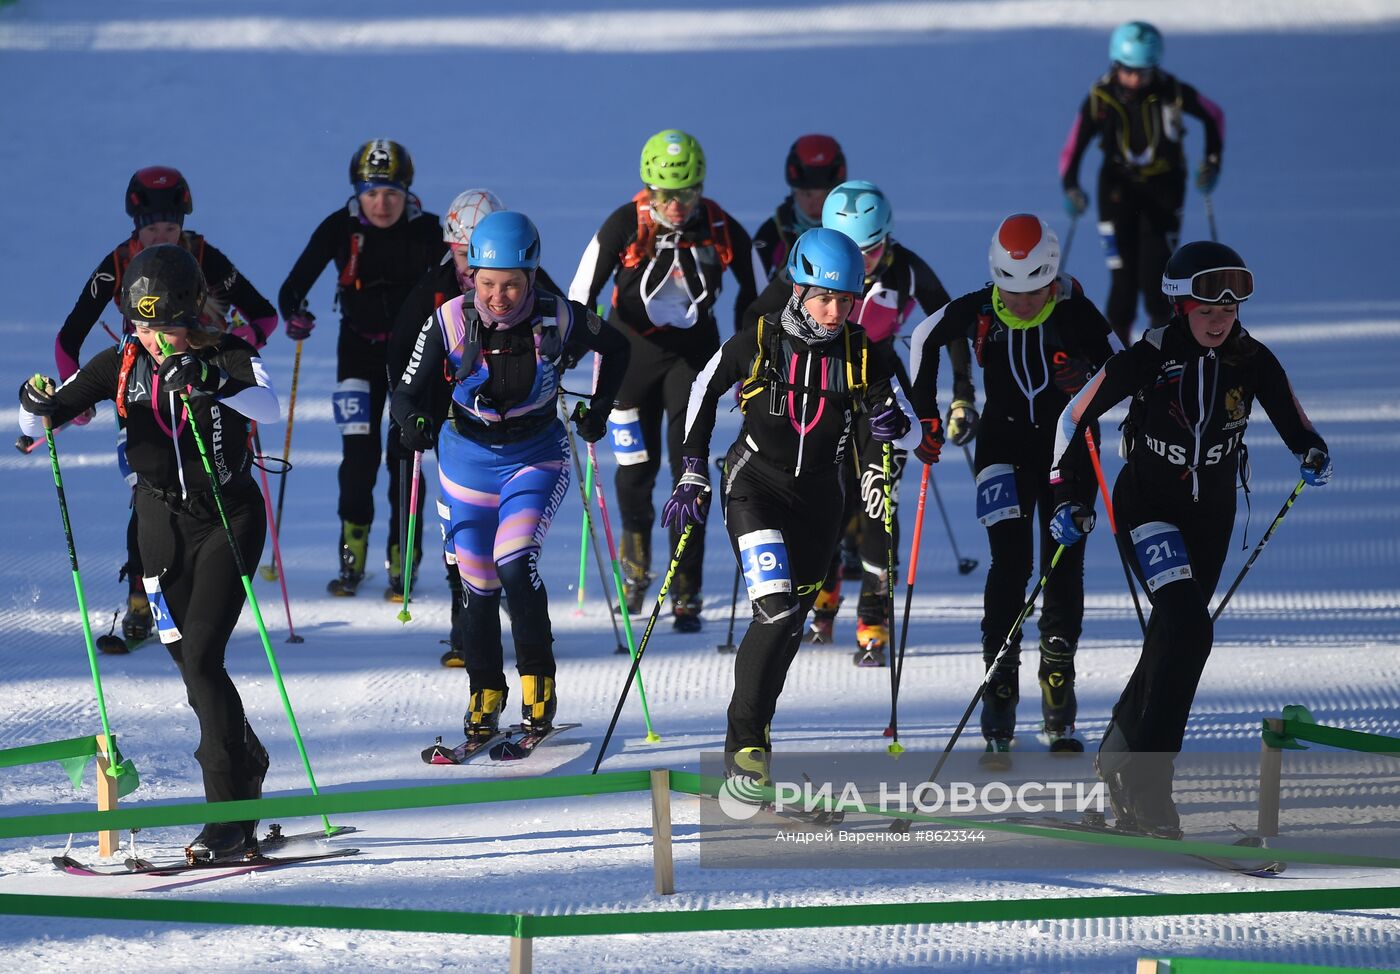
x: 440, y: 753
x: 144, y: 867
x: 114, y: 645
x: 276, y: 838
x: 1264, y: 868
x: 522, y: 747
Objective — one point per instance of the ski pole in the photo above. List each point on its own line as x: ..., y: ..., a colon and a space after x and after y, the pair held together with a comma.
x: 971, y: 467
x: 404, y: 614
x: 886, y: 466
x: 585, y: 482
x: 114, y: 768
x: 903, y: 824
x: 1210, y: 216
x: 585, y: 486
x: 1113, y: 528
x: 965, y: 565
x: 167, y: 349
x: 642, y: 647
x: 1069, y: 240
x: 269, y: 571
x: 728, y: 645
x: 280, y: 573
x: 1257, y: 550
x: 652, y: 736
x: 402, y: 524
x: 893, y: 729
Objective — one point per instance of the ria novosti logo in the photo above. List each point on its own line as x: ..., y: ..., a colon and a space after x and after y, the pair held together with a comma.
x: 927, y: 798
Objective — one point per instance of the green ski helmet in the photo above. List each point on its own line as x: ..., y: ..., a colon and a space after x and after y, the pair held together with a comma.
x: 673, y: 160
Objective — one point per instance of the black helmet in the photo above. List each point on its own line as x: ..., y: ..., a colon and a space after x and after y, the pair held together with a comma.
x: 815, y: 162
x: 158, y: 193
x: 381, y: 163
x: 163, y: 287
x: 1209, y: 272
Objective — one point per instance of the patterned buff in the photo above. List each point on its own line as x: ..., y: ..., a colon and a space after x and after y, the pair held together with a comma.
x: 800, y: 325
x: 522, y: 310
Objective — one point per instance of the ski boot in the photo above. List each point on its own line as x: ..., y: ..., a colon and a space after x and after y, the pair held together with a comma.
x: 746, y: 777
x: 999, y: 701
x: 393, y: 564
x: 538, y: 703
x: 636, y: 570
x: 872, y: 638
x: 1142, y: 802
x: 482, y: 720
x: 137, y: 624
x: 456, y: 656
x: 220, y: 840
x: 354, y: 548
x: 997, y: 756
x: 824, y: 614
x: 851, y: 567
x: 686, y: 615
x: 1057, y: 702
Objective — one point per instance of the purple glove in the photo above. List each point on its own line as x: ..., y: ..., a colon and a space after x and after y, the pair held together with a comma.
x: 688, y: 500
x: 255, y: 333
x: 889, y: 424
x: 299, y: 326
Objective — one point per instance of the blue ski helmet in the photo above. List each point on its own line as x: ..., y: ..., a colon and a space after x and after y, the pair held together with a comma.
x: 505, y: 240
x: 859, y: 210
x: 1136, y: 44
x: 827, y: 259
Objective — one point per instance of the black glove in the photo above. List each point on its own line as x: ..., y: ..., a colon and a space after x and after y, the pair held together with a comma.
x: 420, y: 435
x: 183, y: 370
x: 931, y: 444
x: 962, y: 422
x: 590, y: 423
x: 36, y: 396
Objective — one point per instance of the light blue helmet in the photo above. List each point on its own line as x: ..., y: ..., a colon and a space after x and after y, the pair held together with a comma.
x: 859, y: 210
x: 827, y: 259
x: 1136, y: 44
x: 505, y: 239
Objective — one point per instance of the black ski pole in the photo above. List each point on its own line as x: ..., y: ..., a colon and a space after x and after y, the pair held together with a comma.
x: 1258, y: 549
x: 1069, y: 240
x: 1210, y: 216
x: 728, y: 645
x: 903, y: 824
x: 965, y: 565
x: 646, y: 640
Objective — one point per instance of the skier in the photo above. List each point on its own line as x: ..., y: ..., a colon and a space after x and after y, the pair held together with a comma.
x: 1193, y: 384
x: 503, y: 455
x: 1136, y: 111
x: 815, y: 164
x: 805, y: 376
x: 382, y: 242
x: 190, y: 574
x: 669, y: 247
x: 449, y: 279
x: 1037, y: 338
x: 157, y: 200
x: 897, y: 281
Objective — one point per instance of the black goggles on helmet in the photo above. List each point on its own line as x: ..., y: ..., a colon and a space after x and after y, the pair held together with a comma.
x: 1219, y: 285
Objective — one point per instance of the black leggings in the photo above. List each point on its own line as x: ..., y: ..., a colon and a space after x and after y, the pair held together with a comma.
x: 203, y: 594
x: 807, y: 512
x: 1145, y: 217
x: 480, y: 625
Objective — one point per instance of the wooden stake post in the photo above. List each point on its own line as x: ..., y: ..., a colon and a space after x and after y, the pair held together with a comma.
x: 663, y: 868
x: 1270, y: 781
x: 109, y: 842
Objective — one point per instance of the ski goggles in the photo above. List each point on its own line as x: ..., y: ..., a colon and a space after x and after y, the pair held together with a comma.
x: 688, y: 196
x: 873, y: 252
x: 1219, y: 285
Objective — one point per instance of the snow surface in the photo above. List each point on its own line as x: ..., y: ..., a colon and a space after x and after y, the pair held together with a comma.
x: 958, y: 110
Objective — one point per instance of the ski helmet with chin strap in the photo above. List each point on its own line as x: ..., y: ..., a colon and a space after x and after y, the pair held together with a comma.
x: 1024, y: 255
x: 672, y: 159
x: 1136, y: 44
x: 467, y: 210
x: 163, y: 287
x: 1207, y: 272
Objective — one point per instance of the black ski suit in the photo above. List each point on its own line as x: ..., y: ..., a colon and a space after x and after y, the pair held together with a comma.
x: 901, y: 282
x: 227, y: 290
x: 377, y: 270
x: 773, y: 240
x: 1028, y: 375
x: 191, y: 576
x: 1184, y: 438
x: 666, y: 286
x: 1142, y: 183
x: 783, y: 491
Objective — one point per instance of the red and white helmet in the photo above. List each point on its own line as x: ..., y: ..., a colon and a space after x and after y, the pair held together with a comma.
x: 467, y: 210
x: 1025, y: 254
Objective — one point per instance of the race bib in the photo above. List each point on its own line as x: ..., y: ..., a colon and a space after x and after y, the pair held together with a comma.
x: 123, y: 465
x: 996, y: 494
x: 165, y: 625
x: 625, y: 428
x: 1161, y: 551
x: 350, y: 402
x: 765, y: 560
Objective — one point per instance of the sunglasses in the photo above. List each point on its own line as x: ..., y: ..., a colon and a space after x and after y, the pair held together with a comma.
x: 686, y: 197
x: 1219, y: 285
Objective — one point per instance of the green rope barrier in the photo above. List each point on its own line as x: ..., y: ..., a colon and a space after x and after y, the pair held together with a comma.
x: 694, y: 921
x: 1205, y: 965
x: 1299, y: 725
x: 73, y: 747
x: 374, y: 800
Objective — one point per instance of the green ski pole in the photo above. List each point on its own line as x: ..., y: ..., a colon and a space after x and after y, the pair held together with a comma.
x: 404, y: 614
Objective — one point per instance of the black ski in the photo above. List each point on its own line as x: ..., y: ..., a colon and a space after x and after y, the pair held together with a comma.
x: 276, y: 838
x: 1263, y: 868
x: 523, y: 746
x: 440, y: 753
x: 144, y: 867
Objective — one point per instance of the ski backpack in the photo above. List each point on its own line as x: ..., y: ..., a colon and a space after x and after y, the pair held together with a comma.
x: 643, y: 246
x: 764, y: 373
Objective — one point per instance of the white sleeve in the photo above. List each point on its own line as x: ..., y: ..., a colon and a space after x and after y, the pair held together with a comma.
x: 915, y: 433
x: 917, y: 340
x: 258, y: 403
x: 583, y: 277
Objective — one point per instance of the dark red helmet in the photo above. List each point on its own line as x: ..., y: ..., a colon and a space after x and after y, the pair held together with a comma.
x: 158, y: 190
x: 815, y: 162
